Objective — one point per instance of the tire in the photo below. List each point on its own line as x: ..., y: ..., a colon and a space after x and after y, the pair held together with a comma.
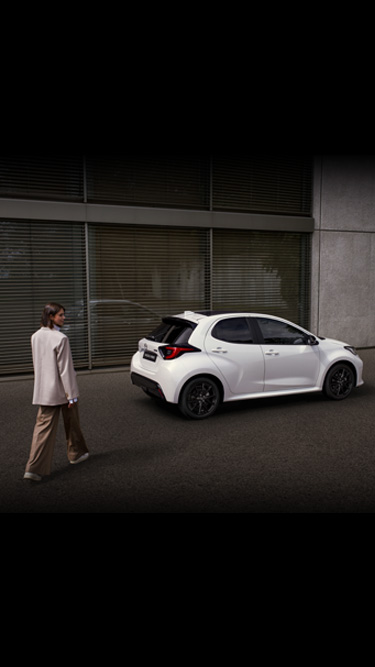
x: 340, y: 382
x: 200, y: 398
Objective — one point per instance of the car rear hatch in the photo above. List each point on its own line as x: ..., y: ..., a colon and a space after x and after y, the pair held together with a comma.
x: 170, y: 340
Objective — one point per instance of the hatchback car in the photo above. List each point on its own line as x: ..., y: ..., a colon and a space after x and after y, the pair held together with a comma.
x: 199, y: 360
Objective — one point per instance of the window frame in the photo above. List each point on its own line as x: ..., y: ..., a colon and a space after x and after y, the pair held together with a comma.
x: 252, y: 333
x: 265, y: 341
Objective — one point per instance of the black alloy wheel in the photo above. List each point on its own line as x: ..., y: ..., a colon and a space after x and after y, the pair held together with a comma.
x: 200, y: 398
x: 339, y: 382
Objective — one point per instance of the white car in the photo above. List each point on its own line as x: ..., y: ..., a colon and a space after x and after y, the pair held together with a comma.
x: 199, y: 360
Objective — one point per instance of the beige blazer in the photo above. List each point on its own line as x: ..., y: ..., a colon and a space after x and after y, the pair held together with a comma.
x: 54, y: 375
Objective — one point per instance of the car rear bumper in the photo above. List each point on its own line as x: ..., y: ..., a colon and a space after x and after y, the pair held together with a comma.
x: 150, y: 386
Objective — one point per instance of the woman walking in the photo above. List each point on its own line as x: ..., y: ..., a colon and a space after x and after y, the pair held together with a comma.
x: 55, y: 389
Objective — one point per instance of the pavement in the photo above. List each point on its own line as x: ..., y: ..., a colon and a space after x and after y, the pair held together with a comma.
x: 301, y: 454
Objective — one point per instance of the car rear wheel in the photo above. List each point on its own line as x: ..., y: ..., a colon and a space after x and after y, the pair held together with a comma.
x: 200, y: 398
x: 339, y: 382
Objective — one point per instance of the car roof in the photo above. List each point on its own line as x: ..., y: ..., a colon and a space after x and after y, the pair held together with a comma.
x: 196, y: 317
x: 208, y: 317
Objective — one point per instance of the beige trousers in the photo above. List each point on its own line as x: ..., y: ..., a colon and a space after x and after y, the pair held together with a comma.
x: 42, y: 446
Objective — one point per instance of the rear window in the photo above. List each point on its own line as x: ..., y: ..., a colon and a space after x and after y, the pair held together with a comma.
x: 172, y: 332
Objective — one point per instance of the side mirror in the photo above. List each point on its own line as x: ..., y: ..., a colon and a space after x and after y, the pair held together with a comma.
x: 311, y: 340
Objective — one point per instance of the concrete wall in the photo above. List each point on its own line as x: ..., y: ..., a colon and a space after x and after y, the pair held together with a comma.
x: 343, y: 253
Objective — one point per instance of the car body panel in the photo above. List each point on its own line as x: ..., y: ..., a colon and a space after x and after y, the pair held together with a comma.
x: 241, y: 366
x: 290, y: 367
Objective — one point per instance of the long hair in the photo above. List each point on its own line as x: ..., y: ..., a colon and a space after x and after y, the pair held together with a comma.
x: 50, y: 309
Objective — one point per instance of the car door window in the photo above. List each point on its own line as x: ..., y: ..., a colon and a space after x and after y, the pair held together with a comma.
x: 281, y: 333
x: 236, y: 330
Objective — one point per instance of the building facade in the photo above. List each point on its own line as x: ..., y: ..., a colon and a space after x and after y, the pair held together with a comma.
x: 343, y: 248
x: 121, y: 241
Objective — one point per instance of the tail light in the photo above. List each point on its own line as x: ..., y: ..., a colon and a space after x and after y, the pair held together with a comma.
x: 168, y: 352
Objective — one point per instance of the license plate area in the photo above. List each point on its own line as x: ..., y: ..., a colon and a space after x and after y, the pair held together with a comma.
x: 150, y: 356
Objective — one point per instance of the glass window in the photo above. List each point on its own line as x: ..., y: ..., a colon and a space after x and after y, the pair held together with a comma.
x: 262, y: 272
x: 138, y: 276
x: 264, y: 183
x: 281, y: 333
x: 58, y: 177
x: 236, y: 330
x: 40, y: 262
x: 141, y: 180
x: 172, y: 333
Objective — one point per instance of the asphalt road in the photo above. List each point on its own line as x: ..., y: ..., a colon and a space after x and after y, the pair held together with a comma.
x: 300, y: 454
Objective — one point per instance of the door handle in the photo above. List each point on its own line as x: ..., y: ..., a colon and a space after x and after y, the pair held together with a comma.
x: 219, y: 350
x: 271, y: 353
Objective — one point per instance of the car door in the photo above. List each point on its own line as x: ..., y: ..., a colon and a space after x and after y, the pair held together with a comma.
x: 291, y: 362
x: 230, y: 345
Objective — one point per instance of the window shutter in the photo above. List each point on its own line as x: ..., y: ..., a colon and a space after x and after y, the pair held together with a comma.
x: 262, y: 184
x: 39, y: 263
x: 137, y: 276
x: 163, y: 181
x: 262, y: 272
x: 58, y: 178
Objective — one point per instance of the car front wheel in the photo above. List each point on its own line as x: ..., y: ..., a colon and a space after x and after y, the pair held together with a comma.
x: 200, y: 398
x: 339, y: 382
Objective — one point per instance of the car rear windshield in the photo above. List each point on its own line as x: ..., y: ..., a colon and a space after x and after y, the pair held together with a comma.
x: 172, y: 332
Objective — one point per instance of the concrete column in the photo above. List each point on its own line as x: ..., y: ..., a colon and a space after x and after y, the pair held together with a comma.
x: 343, y: 252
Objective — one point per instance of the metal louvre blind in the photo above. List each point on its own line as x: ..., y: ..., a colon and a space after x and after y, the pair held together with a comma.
x: 264, y: 272
x: 162, y: 181
x: 138, y: 276
x: 58, y: 178
x: 265, y: 184
x: 40, y: 262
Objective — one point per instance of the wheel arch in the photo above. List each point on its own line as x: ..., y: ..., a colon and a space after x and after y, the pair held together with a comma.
x: 209, y: 376
x: 341, y: 362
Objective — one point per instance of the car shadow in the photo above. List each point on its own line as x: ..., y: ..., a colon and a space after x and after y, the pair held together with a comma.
x: 171, y: 411
x: 295, y: 399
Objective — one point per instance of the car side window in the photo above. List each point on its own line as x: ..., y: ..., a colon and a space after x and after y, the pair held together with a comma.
x: 281, y: 333
x: 236, y: 330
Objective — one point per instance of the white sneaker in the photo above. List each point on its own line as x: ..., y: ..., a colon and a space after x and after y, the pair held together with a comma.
x: 33, y: 476
x: 84, y: 457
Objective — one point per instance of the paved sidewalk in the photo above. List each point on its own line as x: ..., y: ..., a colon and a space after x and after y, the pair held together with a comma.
x: 301, y: 454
